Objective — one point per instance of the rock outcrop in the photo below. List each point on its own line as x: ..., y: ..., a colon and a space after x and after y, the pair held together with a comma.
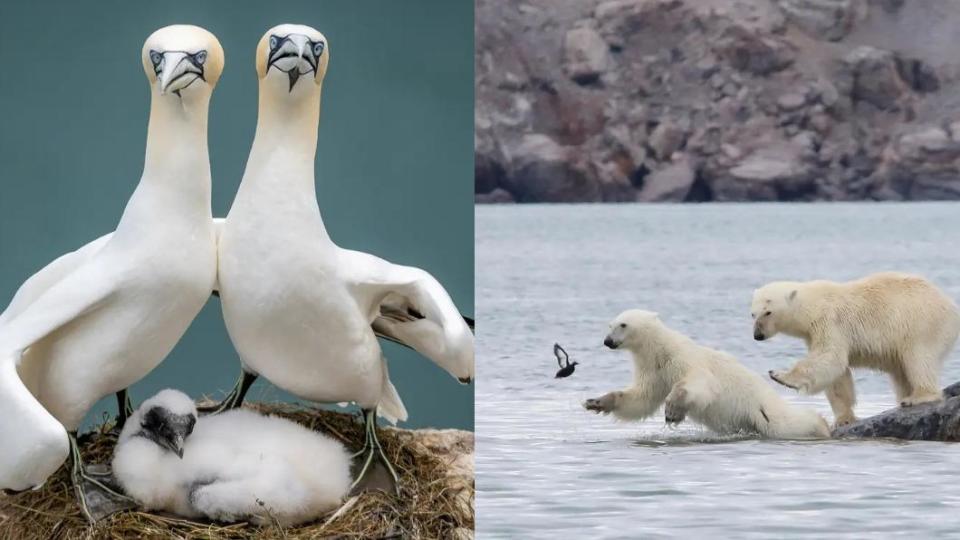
x: 938, y: 421
x: 728, y: 100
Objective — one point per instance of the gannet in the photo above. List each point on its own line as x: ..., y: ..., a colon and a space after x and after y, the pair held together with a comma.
x: 301, y: 311
x: 238, y: 465
x: 97, y: 320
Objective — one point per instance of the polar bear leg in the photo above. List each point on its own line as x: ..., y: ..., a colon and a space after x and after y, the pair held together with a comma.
x: 815, y: 373
x: 690, y: 394
x: 842, y: 398
x: 634, y: 403
x: 921, y: 373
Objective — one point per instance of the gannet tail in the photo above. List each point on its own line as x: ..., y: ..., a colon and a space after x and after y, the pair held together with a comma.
x: 34, y: 443
x: 391, y: 406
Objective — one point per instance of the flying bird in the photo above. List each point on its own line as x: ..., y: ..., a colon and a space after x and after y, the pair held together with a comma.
x: 239, y: 465
x: 301, y: 311
x: 96, y: 320
x: 566, y: 370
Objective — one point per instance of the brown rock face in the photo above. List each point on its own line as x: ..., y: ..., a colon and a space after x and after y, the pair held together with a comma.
x: 729, y: 100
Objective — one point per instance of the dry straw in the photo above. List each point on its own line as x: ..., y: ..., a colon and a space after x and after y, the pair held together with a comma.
x: 435, y: 501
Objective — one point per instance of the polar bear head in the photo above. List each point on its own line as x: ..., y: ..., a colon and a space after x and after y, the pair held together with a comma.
x: 774, y: 309
x: 630, y: 328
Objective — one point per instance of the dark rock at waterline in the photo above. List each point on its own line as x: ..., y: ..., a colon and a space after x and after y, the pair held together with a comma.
x: 938, y: 421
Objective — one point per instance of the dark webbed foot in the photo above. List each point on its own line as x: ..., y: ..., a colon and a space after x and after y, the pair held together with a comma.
x: 95, y: 495
x: 236, y: 396
x: 374, y: 470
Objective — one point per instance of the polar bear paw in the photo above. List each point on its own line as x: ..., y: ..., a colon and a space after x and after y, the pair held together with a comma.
x: 910, y: 401
x: 785, y: 379
x: 604, y: 404
x: 675, y: 410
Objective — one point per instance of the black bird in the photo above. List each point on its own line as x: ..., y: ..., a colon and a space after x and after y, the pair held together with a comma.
x: 565, y: 370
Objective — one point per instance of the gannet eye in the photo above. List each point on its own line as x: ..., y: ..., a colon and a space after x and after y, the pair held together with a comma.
x: 274, y: 41
x: 156, y: 58
x: 318, y: 49
x: 200, y: 58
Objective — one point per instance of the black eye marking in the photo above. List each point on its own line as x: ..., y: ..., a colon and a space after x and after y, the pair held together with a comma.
x: 156, y: 59
x: 623, y: 325
x: 768, y: 313
x: 283, y: 47
x: 196, y: 60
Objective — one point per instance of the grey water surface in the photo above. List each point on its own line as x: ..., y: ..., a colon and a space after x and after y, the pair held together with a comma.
x: 548, y: 469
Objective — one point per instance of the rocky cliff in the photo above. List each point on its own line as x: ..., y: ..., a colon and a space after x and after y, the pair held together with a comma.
x: 720, y: 100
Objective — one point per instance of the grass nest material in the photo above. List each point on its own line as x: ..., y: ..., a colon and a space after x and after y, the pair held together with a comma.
x: 435, y: 501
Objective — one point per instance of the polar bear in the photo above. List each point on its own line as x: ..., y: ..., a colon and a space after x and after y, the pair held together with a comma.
x: 710, y: 386
x: 896, y: 323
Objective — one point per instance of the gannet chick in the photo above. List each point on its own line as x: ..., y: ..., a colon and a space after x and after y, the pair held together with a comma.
x: 300, y: 310
x: 97, y: 320
x: 239, y: 465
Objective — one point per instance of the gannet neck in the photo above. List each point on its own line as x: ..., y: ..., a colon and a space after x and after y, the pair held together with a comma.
x: 176, y: 180
x: 286, y: 132
x: 280, y: 168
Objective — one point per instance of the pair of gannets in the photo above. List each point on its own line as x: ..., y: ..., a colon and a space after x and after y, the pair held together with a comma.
x: 238, y: 465
x: 300, y: 310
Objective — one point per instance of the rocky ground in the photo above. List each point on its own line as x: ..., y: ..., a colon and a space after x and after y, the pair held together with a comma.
x: 938, y: 421
x: 719, y: 100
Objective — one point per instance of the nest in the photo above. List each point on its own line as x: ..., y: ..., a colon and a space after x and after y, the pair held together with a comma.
x: 435, y: 501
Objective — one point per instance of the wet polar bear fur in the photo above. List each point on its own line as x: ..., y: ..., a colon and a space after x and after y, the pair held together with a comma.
x: 710, y: 386
x: 896, y: 323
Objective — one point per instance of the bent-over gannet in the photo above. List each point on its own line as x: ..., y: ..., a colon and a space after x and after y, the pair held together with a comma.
x: 301, y: 311
x: 239, y: 465
x: 96, y: 320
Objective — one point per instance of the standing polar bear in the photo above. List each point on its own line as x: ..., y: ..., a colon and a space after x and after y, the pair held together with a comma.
x: 896, y: 323
x: 710, y: 386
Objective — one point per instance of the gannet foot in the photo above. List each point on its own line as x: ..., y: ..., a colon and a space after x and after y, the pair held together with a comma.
x: 95, y: 497
x: 375, y: 470
x: 235, y: 398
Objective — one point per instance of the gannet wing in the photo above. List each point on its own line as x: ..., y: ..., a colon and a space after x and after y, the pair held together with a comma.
x: 410, y: 307
x: 33, y: 444
x: 49, y: 275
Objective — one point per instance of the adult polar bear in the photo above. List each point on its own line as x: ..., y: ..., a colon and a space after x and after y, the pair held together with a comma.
x: 896, y: 323
x: 710, y: 386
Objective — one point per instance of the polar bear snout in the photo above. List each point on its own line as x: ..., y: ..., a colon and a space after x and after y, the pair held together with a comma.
x: 758, y: 334
x: 609, y: 342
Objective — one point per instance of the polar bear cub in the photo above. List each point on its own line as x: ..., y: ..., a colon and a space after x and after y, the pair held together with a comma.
x: 896, y: 323
x: 710, y: 386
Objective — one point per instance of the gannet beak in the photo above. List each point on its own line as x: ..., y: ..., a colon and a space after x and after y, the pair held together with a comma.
x: 295, y: 47
x: 177, y: 70
x: 173, y: 443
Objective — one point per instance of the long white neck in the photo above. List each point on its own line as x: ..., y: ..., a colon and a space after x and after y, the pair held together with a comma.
x: 175, y: 185
x: 280, y: 169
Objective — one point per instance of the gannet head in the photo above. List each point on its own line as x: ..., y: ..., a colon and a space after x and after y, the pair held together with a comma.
x: 182, y: 61
x: 166, y: 419
x: 291, y: 57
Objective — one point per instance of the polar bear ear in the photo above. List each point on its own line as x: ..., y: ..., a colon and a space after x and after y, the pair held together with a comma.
x: 792, y: 296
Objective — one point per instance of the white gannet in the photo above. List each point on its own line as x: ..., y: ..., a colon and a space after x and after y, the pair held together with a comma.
x: 301, y: 311
x: 239, y: 465
x: 97, y: 320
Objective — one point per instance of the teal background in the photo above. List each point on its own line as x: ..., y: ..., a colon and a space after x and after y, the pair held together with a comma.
x: 394, y: 168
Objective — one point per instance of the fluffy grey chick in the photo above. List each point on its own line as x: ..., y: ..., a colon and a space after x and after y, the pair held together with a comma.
x: 238, y: 465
